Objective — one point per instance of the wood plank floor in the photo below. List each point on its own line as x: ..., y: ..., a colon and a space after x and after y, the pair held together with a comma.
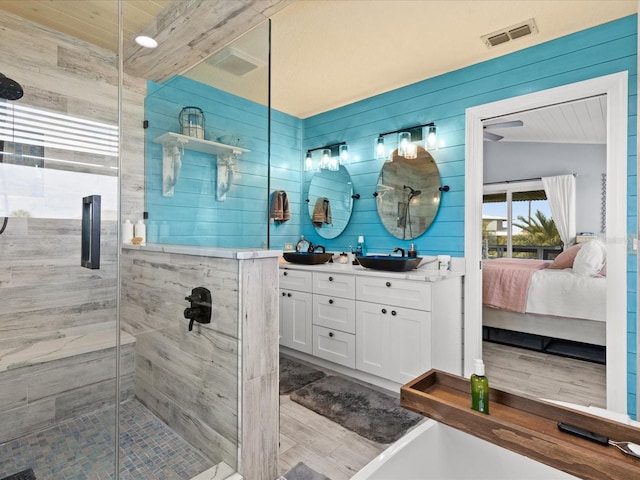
x: 543, y: 375
x: 339, y: 453
x: 323, y: 445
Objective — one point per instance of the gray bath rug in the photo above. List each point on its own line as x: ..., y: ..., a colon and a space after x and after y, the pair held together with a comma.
x: 294, y: 375
x: 370, y: 413
x: 302, y: 472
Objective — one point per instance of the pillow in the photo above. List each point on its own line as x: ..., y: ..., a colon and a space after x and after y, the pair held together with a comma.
x: 566, y: 258
x: 590, y: 259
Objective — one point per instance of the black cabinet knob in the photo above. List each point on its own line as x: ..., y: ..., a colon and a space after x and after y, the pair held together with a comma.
x: 330, y: 302
x: 388, y: 284
x: 331, y: 334
x: 284, y: 294
x: 284, y: 273
x: 384, y: 310
x: 331, y: 279
x: 288, y: 294
x: 393, y: 312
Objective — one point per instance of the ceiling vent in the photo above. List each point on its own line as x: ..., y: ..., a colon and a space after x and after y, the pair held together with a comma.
x: 510, y: 33
x: 235, y: 62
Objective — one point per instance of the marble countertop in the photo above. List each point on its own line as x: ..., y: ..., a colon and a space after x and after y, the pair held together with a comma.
x: 426, y: 272
x: 217, y: 252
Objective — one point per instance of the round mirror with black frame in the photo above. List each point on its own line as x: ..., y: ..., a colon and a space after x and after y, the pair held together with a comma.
x: 330, y: 201
x: 408, y: 194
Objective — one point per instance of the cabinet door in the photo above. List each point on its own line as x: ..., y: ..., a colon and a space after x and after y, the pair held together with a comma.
x: 409, y: 344
x: 295, y: 320
x: 372, y: 338
x: 392, y: 342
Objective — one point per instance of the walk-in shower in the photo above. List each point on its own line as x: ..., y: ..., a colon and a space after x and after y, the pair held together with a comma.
x: 101, y: 375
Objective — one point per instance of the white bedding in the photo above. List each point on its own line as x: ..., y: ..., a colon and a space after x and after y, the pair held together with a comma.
x: 565, y: 294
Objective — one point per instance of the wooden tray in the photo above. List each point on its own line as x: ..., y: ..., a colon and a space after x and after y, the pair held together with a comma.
x: 526, y: 426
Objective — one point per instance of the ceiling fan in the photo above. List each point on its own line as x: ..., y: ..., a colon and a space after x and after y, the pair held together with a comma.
x: 493, y: 137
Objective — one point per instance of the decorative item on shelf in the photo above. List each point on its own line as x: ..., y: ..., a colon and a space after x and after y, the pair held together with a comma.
x: 332, y: 157
x: 192, y: 122
x: 407, y: 142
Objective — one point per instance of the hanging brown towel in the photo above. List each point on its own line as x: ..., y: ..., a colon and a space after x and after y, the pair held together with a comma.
x: 321, y: 212
x: 280, y: 206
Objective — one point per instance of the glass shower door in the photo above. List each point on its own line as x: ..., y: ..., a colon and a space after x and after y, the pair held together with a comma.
x: 58, y: 147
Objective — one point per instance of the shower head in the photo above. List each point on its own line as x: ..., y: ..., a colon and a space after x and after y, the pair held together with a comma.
x: 10, y: 89
x: 412, y: 193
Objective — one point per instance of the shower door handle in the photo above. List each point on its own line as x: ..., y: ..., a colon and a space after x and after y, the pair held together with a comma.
x: 90, y: 254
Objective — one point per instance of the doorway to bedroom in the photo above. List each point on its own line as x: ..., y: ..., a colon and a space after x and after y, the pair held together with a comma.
x: 608, y: 223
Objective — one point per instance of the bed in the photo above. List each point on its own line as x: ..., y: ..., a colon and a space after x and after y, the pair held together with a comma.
x: 564, y: 299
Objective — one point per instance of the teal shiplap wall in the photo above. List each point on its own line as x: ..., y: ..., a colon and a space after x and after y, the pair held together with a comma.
x: 594, y: 52
x: 193, y: 216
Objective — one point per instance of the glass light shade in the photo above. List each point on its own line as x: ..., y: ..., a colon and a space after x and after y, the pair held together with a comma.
x: 308, y: 163
x: 404, y: 139
x: 344, y: 154
x: 325, y: 161
x: 432, y: 139
x: 334, y: 164
x: 380, y: 152
x: 411, y: 151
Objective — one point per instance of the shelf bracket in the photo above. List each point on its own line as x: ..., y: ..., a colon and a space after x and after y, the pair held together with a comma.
x: 171, y: 166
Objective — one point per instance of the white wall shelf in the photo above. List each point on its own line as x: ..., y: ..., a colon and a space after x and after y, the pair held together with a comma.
x: 173, y: 146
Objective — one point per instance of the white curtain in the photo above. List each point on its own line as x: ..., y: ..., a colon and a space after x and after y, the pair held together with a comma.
x: 561, y: 193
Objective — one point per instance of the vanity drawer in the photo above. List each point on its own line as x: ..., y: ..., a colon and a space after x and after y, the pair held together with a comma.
x: 338, y: 285
x: 335, y: 346
x: 401, y: 293
x: 298, y: 280
x: 334, y: 312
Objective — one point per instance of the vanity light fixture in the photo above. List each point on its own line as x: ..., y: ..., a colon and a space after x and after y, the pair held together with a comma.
x: 332, y: 157
x: 406, y: 141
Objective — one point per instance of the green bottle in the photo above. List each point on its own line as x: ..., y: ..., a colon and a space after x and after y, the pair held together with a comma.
x: 479, y: 388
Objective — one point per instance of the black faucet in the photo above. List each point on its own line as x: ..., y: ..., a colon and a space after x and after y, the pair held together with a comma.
x: 395, y: 250
x: 318, y: 247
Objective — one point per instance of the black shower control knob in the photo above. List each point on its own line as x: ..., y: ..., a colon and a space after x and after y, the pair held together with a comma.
x: 192, y: 312
x: 194, y: 297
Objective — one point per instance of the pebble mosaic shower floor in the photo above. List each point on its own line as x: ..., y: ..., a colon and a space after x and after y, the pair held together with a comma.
x: 82, y: 448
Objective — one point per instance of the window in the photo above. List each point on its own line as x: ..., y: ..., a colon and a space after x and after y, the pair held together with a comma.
x: 517, y: 222
x: 49, y: 161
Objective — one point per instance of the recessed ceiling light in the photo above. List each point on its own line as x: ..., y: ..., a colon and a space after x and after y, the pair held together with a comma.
x: 146, y: 42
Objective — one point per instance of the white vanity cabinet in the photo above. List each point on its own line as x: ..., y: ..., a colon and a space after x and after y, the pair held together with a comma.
x: 296, y: 310
x: 379, y: 325
x: 334, y: 317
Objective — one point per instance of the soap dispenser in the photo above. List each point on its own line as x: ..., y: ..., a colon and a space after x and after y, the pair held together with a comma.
x: 360, y: 248
x: 412, y: 253
x: 479, y: 388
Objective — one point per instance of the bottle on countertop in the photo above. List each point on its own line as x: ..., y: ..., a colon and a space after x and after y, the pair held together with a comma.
x: 141, y: 232
x: 360, y: 248
x: 127, y: 232
x: 479, y: 388
x: 412, y: 253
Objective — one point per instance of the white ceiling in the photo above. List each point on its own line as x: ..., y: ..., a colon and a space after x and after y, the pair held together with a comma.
x: 326, y: 54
